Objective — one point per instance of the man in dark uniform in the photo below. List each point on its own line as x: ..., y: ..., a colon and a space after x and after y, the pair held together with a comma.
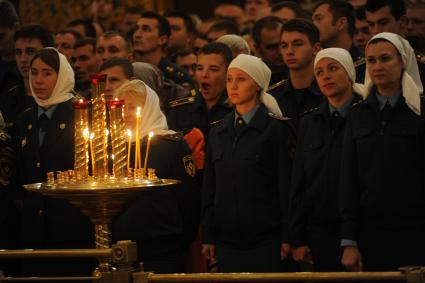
x: 299, y: 44
x: 150, y: 41
x: 208, y: 105
x: 313, y: 212
x: 336, y: 23
x: 266, y: 36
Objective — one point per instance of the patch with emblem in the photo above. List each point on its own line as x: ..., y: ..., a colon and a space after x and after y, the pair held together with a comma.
x: 62, y: 126
x: 189, y: 165
x: 29, y: 127
x: 24, y: 142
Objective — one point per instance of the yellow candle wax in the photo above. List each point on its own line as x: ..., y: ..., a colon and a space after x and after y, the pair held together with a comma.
x: 147, y: 150
x: 129, y: 150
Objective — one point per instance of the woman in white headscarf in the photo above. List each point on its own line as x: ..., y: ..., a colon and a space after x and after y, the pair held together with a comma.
x: 314, y: 222
x: 246, y: 180
x: 382, y: 178
x: 161, y: 222
x: 45, y: 136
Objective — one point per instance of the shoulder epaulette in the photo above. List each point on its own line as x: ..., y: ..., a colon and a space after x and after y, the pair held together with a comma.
x: 173, y: 137
x: 13, y: 88
x: 182, y: 101
x: 218, y: 122
x: 309, y: 111
x: 359, y: 62
x: 4, y: 137
x: 420, y: 58
x: 278, y: 117
x: 276, y: 85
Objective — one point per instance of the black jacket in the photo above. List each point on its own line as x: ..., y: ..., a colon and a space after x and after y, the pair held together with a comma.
x: 246, y: 181
x: 382, y: 177
x: 315, y: 176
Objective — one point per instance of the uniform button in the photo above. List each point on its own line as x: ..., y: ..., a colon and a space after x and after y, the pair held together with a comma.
x: 38, y: 164
x: 40, y: 212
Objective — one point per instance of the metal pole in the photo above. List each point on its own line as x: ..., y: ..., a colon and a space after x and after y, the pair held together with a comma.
x: 63, y: 253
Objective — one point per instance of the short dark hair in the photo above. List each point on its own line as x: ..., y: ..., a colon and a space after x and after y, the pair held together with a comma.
x: 339, y: 9
x: 397, y: 7
x: 49, y: 56
x: 112, y: 33
x: 76, y: 34
x: 89, y: 28
x: 225, y: 24
x: 187, y: 20
x: 360, y: 13
x: 303, y: 26
x: 182, y: 53
x: 163, y: 25
x: 293, y: 6
x: 35, y: 31
x: 125, y: 65
x: 217, y: 48
x: 8, y: 16
x: 270, y: 22
x: 86, y: 41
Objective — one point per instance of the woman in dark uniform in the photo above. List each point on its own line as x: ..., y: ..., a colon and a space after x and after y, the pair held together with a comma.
x: 45, y: 143
x: 162, y: 222
x: 382, y: 179
x: 247, y: 176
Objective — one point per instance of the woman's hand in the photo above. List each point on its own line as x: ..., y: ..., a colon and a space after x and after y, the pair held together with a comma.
x: 302, y: 254
x: 208, y: 251
x: 352, y: 259
x: 285, y: 249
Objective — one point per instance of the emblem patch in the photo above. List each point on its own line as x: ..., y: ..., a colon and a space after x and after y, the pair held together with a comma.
x: 62, y: 126
x: 189, y: 165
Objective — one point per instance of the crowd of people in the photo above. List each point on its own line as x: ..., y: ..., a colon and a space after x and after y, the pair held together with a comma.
x: 298, y: 135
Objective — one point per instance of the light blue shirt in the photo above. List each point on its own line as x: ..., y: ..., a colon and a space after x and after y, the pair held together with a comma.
x: 382, y: 100
x: 343, y: 110
x: 247, y: 117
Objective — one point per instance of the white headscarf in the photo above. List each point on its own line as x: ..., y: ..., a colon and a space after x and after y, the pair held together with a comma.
x: 152, y: 118
x: 64, y: 84
x: 411, y: 82
x: 261, y: 74
x: 343, y: 57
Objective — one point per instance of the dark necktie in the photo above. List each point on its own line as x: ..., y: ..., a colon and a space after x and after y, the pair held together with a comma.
x: 43, y: 122
x: 386, y: 111
x: 336, y: 121
x: 240, y: 125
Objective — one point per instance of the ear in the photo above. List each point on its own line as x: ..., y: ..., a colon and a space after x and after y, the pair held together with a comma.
x: 341, y: 23
x: 316, y: 48
x: 162, y: 41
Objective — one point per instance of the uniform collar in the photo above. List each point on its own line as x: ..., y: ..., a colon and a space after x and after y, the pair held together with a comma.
x: 343, y: 110
x: 247, y: 117
x: 49, y: 112
x: 200, y: 101
x: 382, y: 100
x: 258, y: 121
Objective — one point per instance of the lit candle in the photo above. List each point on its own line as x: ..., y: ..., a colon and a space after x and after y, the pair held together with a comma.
x: 147, y: 150
x: 86, y: 135
x: 92, y: 152
x: 137, y: 153
x: 129, y: 150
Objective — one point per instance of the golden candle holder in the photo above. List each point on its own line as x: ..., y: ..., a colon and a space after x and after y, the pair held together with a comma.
x: 118, y: 137
x: 81, y: 113
x: 99, y: 126
x: 100, y: 200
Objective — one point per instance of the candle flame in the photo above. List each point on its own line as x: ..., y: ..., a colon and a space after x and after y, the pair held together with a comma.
x: 129, y: 133
x: 139, y: 109
x: 91, y: 136
x: 81, y: 100
x: 151, y: 135
x: 106, y: 132
x: 86, y: 133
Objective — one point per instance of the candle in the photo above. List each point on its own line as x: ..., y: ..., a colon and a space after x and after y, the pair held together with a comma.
x: 92, y: 152
x: 128, y: 150
x: 137, y: 153
x: 147, y: 150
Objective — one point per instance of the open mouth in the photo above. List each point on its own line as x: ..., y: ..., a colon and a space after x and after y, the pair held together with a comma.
x: 205, y: 87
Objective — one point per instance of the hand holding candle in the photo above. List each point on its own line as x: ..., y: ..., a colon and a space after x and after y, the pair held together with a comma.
x: 147, y: 150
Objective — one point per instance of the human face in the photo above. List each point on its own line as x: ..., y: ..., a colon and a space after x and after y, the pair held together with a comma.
x: 285, y: 14
x: 384, y: 65
x: 115, y: 78
x: 269, y: 48
x: 146, y: 38
x: 102, y: 8
x: 252, y: 7
x: 332, y: 78
x: 415, y: 19
x: 111, y: 47
x: 241, y: 88
x: 297, y: 51
x: 323, y: 20
x: 130, y: 110
x: 129, y: 22
x: 6, y: 41
x: 84, y: 63
x: 25, y: 49
x: 43, y: 79
x: 211, y: 76
x: 357, y: 3
x: 361, y: 34
x: 188, y: 63
x: 382, y: 21
x: 65, y: 44
x: 231, y: 11
x: 179, y: 38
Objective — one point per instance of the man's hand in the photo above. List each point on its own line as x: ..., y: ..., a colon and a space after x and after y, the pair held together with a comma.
x: 285, y: 249
x: 352, y: 259
x: 208, y: 251
x: 302, y: 254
